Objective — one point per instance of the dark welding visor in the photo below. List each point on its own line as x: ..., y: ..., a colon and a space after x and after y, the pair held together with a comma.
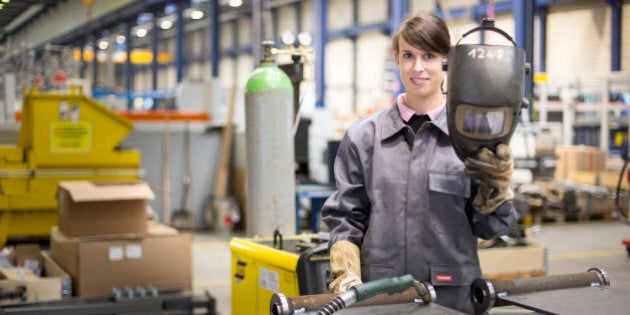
x: 485, y: 93
x: 482, y: 122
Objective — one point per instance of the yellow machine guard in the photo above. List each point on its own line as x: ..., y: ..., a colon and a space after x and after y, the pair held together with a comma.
x: 62, y: 137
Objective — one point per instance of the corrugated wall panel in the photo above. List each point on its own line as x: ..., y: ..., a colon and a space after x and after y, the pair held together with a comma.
x: 227, y: 71
x: 142, y: 81
x: 339, y: 75
x: 421, y: 5
x: 195, y: 42
x: 307, y: 16
x: 226, y: 40
x: 166, y: 78
x: 194, y: 72
x: 339, y: 14
x: 373, y: 51
x: 286, y: 19
x: 457, y: 28
x: 244, y: 67
x: 245, y: 31
x: 373, y: 11
x: 578, y: 38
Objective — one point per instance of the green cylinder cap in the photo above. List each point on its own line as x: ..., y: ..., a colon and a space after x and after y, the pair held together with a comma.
x: 268, y: 76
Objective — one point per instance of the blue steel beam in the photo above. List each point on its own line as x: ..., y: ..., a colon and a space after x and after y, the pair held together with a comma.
x: 398, y: 10
x: 94, y: 63
x: 480, y: 10
x: 523, y: 13
x: 354, y: 31
x: 320, y: 7
x: 214, y: 31
x: 615, y: 34
x: 129, y: 71
x: 542, y: 36
x: 180, y: 58
x: 155, y: 37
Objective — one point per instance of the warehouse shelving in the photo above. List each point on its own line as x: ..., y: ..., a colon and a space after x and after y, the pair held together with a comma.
x: 595, y: 101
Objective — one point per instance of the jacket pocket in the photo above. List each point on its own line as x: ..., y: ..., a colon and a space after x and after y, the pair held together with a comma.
x: 448, y: 194
x: 454, y: 274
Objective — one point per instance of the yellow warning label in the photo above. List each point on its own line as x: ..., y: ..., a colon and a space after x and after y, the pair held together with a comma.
x: 70, y: 136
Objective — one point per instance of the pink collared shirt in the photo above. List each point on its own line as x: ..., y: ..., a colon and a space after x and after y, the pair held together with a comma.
x: 406, y: 112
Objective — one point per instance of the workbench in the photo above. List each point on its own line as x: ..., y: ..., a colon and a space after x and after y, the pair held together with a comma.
x: 317, y: 196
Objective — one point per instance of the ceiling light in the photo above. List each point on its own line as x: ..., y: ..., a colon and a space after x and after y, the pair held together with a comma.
x: 166, y: 24
x: 120, y: 39
x: 141, y: 32
x: 196, y: 15
x: 5, y: 1
x: 235, y: 3
x: 103, y: 44
x: 1, y: 5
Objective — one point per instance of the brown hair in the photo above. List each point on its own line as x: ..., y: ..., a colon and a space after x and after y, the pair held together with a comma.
x: 424, y: 30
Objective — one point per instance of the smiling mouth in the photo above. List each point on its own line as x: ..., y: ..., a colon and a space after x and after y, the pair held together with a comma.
x: 419, y: 80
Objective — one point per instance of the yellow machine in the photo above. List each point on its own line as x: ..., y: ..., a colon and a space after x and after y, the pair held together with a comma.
x: 297, y: 265
x: 62, y: 137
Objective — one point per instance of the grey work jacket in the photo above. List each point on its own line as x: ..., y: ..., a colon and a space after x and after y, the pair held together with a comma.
x: 405, y: 200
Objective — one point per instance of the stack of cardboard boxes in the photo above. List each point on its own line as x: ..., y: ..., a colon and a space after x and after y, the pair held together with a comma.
x: 104, y: 240
x: 588, y: 167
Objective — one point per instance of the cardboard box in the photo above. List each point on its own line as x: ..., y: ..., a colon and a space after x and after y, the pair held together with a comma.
x: 54, y: 285
x: 95, y: 208
x: 28, y: 254
x: 17, y: 273
x: 606, y: 179
x: 578, y: 158
x: 161, y: 257
x: 504, y: 263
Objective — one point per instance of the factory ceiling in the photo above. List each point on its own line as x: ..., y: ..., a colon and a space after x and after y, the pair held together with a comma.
x: 17, y: 13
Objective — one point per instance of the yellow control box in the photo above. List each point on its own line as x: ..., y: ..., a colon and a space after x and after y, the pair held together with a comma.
x: 296, y: 265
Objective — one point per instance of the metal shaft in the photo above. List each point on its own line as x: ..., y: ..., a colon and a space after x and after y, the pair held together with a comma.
x: 485, y: 293
x: 282, y: 305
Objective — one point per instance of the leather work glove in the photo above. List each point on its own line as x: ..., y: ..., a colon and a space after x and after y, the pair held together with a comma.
x: 345, y: 266
x: 494, y: 171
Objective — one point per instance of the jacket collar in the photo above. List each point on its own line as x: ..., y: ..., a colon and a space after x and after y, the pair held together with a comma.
x: 393, y: 123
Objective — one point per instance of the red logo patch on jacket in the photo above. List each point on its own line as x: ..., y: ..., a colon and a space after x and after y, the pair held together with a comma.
x: 443, y: 278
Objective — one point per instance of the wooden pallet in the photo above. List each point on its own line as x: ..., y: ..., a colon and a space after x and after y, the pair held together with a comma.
x: 553, y: 216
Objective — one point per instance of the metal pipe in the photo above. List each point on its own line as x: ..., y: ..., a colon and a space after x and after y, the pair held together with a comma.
x: 485, y: 293
x: 282, y: 305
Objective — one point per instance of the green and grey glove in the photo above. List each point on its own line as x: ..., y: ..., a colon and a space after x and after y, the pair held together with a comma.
x: 494, y: 171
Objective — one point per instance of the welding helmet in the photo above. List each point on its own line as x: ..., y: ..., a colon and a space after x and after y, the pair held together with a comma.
x: 486, y: 86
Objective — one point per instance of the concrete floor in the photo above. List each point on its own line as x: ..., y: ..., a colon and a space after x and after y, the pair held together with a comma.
x: 573, y: 247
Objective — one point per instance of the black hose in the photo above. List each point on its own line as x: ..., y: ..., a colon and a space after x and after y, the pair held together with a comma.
x: 335, y: 305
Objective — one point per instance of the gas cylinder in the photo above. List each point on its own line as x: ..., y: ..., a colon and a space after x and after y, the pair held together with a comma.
x: 270, y: 150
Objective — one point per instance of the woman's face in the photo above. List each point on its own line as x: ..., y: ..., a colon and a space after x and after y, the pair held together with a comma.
x: 420, y: 71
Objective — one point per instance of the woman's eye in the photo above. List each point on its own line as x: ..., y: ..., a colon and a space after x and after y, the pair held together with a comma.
x: 407, y: 55
x: 429, y: 56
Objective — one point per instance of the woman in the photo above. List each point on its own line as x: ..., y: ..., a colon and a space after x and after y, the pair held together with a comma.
x: 406, y: 204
